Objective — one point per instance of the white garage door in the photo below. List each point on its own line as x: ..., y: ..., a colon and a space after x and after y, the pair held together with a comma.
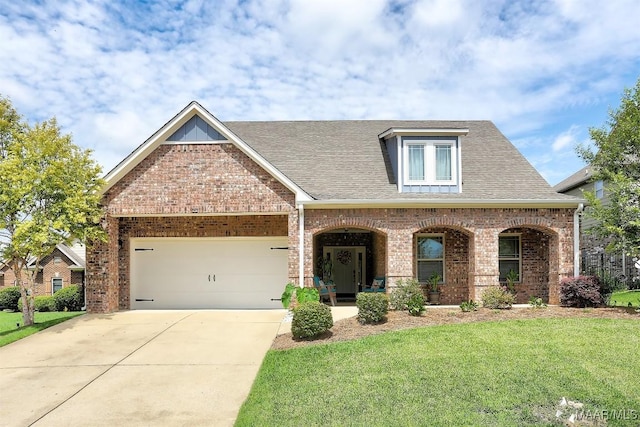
x: 208, y: 272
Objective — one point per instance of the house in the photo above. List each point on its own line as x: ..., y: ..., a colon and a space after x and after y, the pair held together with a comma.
x: 63, y: 267
x: 594, y: 259
x: 211, y: 214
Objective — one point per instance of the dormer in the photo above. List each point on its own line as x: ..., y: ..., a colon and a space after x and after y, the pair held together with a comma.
x: 426, y: 160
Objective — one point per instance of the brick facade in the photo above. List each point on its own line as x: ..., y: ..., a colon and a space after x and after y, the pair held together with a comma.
x: 53, y: 266
x: 215, y: 190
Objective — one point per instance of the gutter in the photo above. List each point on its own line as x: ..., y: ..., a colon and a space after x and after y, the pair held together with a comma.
x: 576, y: 239
x: 457, y: 203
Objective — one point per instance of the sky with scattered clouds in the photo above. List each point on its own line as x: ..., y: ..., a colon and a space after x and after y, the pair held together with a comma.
x: 115, y: 71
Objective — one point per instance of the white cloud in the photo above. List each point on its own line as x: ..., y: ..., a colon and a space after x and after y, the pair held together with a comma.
x: 113, y: 72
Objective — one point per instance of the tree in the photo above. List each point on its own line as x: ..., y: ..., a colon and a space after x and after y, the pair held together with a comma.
x: 615, y: 159
x: 49, y: 194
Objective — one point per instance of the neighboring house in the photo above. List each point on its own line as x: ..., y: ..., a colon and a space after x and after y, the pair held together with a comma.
x: 206, y: 214
x: 594, y: 259
x: 65, y: 266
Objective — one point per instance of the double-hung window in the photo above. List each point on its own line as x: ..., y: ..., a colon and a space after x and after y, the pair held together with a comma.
x: 430, y: 256
x: 56, y: 284
x: 599, y: 189
x: 430, y: 162
x: 509, y: 258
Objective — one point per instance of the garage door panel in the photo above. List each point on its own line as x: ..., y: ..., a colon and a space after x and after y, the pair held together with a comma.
x: 208, y: 273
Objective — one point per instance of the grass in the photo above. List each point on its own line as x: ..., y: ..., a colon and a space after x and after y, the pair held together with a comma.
x: 493, y: 373
x: 10, y: 333
x: 623, y: 298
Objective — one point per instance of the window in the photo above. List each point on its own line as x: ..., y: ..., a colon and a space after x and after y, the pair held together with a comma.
x: 56, y: 284
x: 430, y: 256
x: 509, y: 255
x: 599, y: 189
x: 57, y: 260
x: 430, y: 162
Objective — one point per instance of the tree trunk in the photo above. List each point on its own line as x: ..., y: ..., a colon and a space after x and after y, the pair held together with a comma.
x: 27, y: 290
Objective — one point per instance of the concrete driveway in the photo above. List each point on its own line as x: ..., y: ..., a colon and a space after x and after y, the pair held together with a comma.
x: 136, y: 368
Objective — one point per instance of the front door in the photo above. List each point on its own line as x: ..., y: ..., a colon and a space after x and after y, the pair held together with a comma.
x: 348, y: 267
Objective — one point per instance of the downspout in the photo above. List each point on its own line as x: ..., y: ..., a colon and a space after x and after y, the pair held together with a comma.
x: 576, y: 240
x: 301, y: 244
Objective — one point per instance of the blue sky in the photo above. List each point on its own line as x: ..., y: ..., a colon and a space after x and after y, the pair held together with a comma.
x: 113, y: 72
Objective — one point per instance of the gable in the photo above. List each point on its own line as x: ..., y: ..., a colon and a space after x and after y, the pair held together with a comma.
x: 196, y: 129
x: 189, y: 179
x: 194, y: 124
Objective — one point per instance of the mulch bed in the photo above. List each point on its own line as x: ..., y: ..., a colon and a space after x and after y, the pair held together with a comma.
x: 349, y: 329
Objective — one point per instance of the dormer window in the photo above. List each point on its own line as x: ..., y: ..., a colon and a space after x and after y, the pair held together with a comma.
x: 430, y: 162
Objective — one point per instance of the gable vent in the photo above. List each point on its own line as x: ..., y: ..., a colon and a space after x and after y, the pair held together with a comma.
x: 196, y: 129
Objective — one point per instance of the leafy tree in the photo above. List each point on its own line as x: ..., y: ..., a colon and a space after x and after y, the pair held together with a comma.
x: 49, y: 194
x: 615, y: 159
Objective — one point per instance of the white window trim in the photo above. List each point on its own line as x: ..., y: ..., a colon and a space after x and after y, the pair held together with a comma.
x: 61, y: 283
x: 598, y: 187
x: 430, y: 162
x: 444, y: 270
x: 519, y: 236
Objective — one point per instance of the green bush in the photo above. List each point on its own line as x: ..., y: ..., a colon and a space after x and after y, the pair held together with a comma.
x: 468, y: 306
x: 497, y: 297
x: 405, y: 291
x: 9, y: 298
x: 42, y: 303
x: 372, y: 307
x: 69, y: 298
x: 536, y: 302
x: 310, y: 319
x: 415, y: 305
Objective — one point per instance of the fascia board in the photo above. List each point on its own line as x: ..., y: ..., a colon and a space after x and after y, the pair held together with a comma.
x: 423, y: 132
x: 442, y: 203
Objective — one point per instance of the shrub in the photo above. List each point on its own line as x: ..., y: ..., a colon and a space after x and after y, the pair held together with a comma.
x: 41, y: 303
x: 467, y: 306
x: 9, y: 297
x: 302, y: 294
x: 581, y: 291
x: 372, y: 307
x: 497, y: 297
x: 310, y: 319
x: 415, y: 305
x: 69, y: 298
x: 403, y: 293
x: 536, y: 302
x: 45, y: 303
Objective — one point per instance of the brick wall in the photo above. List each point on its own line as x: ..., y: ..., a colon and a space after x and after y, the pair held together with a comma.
x: 197, y: 178
x: 55, y: 265
x: 472, y: 233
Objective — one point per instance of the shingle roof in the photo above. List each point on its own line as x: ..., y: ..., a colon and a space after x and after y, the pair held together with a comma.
x: 575, y: 180
x: 346, y: 160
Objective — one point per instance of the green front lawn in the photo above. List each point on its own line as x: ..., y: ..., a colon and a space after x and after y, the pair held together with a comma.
x: 623, y: 298
x: 494, y: 373
x: 10, y: 332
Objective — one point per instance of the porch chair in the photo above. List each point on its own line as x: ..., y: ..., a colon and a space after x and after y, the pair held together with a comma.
x: 378, y: 285
x: 325, y: 290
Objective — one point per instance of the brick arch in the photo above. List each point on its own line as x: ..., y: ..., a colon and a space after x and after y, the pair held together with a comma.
x: 333, y: 227
x: 459, y: 259
x: 448, y: 223
x: 538, y: 223
x: 540, y: 260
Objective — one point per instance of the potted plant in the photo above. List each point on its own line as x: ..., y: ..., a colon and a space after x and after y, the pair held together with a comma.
x: 512, y: 277
x: 434, y: 293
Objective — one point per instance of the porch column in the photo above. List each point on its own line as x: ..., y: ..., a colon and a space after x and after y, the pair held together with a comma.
x: 293, y: 241
x: 102, y: 271
x: 485, y: 256
x: 399, y: 256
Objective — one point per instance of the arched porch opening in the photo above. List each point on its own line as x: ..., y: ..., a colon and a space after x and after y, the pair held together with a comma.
x: 447, y: 252
x: 351, y: 257
x: 529, y: 253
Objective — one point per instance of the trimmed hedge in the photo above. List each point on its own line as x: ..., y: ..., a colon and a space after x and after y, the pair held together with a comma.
x: 581, y: 291
x: 69, y: 298
x: 372, y: 307
x: 310, y: 319
x: 42, y: 303
x: 9, y: 298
